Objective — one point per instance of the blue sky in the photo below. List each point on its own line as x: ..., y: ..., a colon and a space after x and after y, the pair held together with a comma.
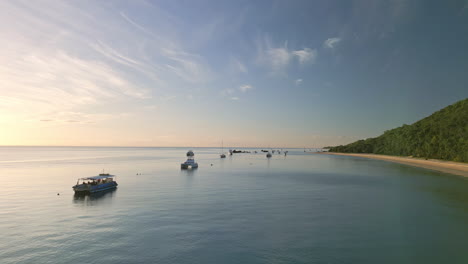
x: 251, y: 73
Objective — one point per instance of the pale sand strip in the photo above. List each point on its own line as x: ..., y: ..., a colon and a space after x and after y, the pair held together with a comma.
x: 457, y: 168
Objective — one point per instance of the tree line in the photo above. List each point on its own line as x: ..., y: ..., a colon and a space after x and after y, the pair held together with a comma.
x: 442, y: 135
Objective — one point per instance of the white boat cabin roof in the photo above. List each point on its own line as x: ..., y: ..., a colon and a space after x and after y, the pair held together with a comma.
x: 99, y: 177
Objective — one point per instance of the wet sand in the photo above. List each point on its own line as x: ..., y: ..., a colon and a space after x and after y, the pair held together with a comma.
x: 457, y: 168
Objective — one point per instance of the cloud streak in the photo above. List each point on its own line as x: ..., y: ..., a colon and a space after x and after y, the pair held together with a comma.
x: 278, y: 58
x: 244, y: 88
x: 242, y: 68
x: 331, y: 43
x: 305, y: 55
x: 63, y: 81
x: 64, y: 59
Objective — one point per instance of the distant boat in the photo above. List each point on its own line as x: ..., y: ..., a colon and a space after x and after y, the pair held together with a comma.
x: 190, y: 162
x: 268, y: 155
x: 222, y: 151
x: 102, y: 182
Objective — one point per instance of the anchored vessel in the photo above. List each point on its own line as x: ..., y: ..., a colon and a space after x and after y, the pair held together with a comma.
x: 222, y: 151
x: 103, y: 181
x: 190, y: 162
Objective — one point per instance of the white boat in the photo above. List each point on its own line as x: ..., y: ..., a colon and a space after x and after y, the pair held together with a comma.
x: 190, y: 162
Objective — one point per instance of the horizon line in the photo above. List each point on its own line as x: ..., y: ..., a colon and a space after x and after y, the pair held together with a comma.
x: 102, y: 146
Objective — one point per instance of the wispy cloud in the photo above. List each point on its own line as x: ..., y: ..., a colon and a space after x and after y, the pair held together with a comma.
x: 61, y: 81
x: 305, y: 55
x: 244, y: 88
x: 235, y: 66
x: 278, y: 58
x: 135, y: 24
x: 298, y: 82
x: 62, y: 58
x: 227, y: 92
x: 66, y: 117
x: 187, y: 66
x: 234, y: 98
x: 331, y: 43
x: 241, y: 67
x: 136, y: 65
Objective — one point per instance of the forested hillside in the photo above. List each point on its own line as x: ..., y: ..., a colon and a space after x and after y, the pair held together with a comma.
x: 442, y: 135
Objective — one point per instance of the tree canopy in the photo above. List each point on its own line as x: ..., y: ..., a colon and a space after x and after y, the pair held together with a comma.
x: 442, y: 135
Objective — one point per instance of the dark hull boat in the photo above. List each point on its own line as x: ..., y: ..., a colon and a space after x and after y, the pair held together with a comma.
x: 102, y: 182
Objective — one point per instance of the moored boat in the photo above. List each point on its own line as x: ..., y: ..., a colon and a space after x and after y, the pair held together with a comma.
x: 222, y: 151
x: 190, y: 162
x: 102, y: 182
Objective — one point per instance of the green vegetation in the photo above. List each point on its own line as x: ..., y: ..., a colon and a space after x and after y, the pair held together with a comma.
x: 442, y: 135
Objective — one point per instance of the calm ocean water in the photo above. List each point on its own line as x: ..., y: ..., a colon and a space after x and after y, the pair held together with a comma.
x: 303, y: 208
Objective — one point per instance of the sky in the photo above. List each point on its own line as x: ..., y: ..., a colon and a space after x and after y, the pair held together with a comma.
x: 248, y: 73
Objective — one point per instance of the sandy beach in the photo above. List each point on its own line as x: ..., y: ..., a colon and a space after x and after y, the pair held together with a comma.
x: 457, y: 168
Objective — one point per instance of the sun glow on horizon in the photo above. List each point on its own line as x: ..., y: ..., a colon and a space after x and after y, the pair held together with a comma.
x: 160, y: 74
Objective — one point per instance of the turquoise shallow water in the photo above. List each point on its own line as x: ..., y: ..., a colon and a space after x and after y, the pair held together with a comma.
x: 303, y: 208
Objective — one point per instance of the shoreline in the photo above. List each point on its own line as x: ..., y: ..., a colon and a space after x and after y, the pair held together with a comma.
x: 456, y: 168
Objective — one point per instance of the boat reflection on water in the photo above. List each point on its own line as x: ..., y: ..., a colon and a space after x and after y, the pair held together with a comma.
x: 94, y: 198
x: 188, y: 172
